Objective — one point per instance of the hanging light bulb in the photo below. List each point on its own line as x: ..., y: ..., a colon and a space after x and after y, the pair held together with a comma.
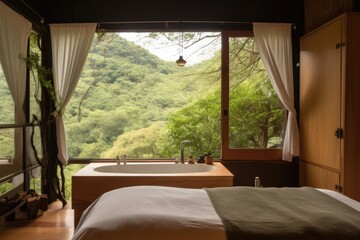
x: 181, y: 61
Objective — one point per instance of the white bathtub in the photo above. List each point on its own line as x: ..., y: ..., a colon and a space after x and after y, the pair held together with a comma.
x: 155, y: 168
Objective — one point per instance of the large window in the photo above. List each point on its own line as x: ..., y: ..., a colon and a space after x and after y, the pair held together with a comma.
x: 137, y: 101
x: 133, y: 99
x: 253, y: 115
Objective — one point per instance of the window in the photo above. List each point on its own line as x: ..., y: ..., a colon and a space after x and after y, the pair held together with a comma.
x: 7, y: 117
x: 253, y: 115
x: 132, y: 99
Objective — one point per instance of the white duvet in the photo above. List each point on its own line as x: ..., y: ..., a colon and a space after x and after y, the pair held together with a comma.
x: 151, y: 212
x: 161, y: 213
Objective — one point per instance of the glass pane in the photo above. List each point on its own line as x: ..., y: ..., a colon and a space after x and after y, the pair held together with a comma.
x: 7, y: 105
x: 133, y: 99
x: 69, y: 171
x: 35, y: 179
x: 11, y: 184
x: 7, y: 144
x: 256, y: 115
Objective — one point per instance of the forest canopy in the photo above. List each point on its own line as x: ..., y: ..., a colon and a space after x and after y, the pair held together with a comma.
x: 129, y: 101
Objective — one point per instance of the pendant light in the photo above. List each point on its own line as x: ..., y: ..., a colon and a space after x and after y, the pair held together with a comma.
x: 181, y: 61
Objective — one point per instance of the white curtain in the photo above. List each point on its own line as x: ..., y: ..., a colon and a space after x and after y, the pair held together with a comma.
x: 14, y: 34
x: 70, y: 47
x: 275, y: 48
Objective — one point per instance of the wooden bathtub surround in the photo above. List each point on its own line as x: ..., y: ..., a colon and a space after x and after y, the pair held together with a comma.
x: 88, y: 185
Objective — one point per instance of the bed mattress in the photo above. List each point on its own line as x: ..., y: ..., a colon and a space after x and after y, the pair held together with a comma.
x: 157, y: 212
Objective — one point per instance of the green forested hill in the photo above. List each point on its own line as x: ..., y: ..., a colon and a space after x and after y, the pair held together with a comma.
x: 126, y: 91
x: 128, y: 101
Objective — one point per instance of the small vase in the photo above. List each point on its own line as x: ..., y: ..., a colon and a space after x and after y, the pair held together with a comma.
x: 209, y: 160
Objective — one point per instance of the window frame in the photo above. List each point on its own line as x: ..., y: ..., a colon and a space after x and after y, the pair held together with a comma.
x: 226, y: 152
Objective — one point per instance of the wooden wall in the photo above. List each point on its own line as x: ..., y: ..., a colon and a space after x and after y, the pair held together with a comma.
x: 271, y: 173
x: 318, y: 12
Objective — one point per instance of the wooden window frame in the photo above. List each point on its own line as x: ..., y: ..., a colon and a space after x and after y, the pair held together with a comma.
x: 226, y: 152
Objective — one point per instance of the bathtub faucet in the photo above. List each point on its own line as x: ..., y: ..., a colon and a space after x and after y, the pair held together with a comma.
x: 124, y: 158
x: 118, y: 160
x: 182, y: 151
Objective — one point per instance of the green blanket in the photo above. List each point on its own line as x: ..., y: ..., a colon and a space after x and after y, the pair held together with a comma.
x: 283, y: 213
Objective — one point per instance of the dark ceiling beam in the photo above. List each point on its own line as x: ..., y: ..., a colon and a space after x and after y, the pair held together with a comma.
x: 142, y: 11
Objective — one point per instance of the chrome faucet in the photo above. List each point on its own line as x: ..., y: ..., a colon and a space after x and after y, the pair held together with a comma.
x: 124, y: 158
x: 118, y: 160
x: 182, y: 150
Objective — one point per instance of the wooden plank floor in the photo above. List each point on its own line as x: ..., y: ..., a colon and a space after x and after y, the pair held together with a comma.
x: 57, y: 223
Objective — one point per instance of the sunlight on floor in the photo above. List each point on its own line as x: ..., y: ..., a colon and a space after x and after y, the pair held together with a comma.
x: 55, y: 224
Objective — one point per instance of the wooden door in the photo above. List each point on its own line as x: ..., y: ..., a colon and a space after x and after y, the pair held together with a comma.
x: 320, y: 96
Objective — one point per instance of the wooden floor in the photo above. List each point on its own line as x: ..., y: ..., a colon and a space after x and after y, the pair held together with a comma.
x: 55, y: 224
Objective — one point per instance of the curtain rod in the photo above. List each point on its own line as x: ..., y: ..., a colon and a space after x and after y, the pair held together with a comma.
x: 173, y: 21
x: 181, y: 21
x: 101, y: 26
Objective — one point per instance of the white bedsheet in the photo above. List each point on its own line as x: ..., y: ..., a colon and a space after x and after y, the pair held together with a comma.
x: 342, y: 198
x: 151, y: 212
x: 161, y: 213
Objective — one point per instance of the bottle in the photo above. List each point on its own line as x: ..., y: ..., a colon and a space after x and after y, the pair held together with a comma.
x: 257, y: 182
x: 191, y: 160
x: 201, y: 159
x: 209, y: 159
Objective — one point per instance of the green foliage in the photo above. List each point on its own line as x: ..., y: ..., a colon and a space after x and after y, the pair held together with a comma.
x: 128, y: 101
x: 256, y: 116
x: 258, y: 121
x: 7, y: 106
x: 70, y: 170
x: 41, y: 75
x: 7, y: 142
x: 199, y: 123
x: 6, y: 187
x: 116, y: 95
x: 140, y: 143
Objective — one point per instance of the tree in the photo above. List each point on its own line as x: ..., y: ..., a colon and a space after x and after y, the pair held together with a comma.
x: 199, y: 123
x: 256, y: 115
x: 122, y: 76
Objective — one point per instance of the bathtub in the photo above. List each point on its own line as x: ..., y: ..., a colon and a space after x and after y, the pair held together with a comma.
x: 163, y: 168
x: 97, y: 178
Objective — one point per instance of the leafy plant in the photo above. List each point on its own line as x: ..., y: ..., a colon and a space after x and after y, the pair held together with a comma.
x: 42, y: 76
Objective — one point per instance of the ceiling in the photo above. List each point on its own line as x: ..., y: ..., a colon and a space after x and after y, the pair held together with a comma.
x: 162, y: 14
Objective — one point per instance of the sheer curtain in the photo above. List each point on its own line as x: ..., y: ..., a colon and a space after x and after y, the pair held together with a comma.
x: 70, y: 47
x: 275, y: 48
x: 14, y: 34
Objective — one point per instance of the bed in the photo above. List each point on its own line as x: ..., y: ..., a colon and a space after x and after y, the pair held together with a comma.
x: 222, y: 213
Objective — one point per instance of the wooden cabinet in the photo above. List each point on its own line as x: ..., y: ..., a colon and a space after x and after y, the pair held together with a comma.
x: 330, y: 106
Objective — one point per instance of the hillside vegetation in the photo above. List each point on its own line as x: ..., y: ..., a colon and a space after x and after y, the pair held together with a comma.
x: 126, y: 97
x: 128, y: 101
